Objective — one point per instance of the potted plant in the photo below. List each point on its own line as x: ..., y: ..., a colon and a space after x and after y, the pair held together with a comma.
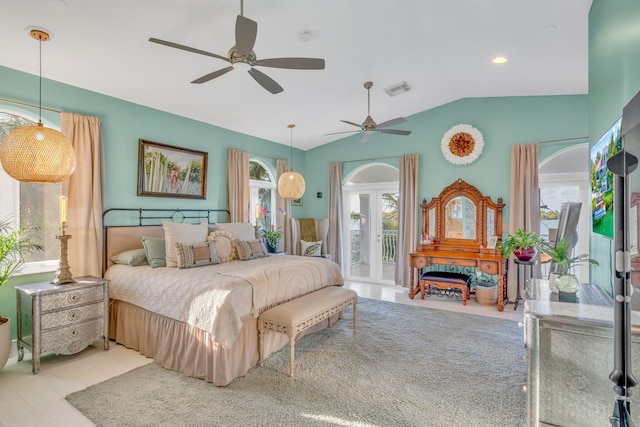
x: 562, y: 264
x: 13, y: 245
x: 271, y: 238
x: 522, y: 243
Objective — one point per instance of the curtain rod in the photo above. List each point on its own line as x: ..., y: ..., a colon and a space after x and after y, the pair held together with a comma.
x: 28, y: 105
x: 563, y: 139
x: 372, y: 159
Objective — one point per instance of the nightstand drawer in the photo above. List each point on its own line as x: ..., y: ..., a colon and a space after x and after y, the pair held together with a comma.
x: 72, y: 297
x: 74, y: 315
x: 72, y: 339
x: 489, y: 267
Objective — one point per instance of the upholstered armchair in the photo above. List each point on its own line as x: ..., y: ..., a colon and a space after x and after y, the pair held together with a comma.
x: 309, y: 230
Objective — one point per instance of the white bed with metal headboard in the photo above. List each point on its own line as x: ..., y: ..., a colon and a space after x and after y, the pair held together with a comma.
x: 202, y: 321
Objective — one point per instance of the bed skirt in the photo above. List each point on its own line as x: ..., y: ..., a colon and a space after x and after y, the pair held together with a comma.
x: 181, y: 347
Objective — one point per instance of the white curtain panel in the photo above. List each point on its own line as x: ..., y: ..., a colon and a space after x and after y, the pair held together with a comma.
x: 284, y: 217
x: 334, y: 238
x: 238, y: 195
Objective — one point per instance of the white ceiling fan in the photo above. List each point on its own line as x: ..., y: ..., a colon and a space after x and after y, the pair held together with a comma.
x: 368, y: 127
x: 242, y: 56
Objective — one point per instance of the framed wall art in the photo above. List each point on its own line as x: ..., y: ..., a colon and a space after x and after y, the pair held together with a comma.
x: 296, y: 202
x: 168, y: 171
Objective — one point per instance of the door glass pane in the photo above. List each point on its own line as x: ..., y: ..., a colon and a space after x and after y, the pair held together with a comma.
x: 389, y: 238
x: 360, y: 235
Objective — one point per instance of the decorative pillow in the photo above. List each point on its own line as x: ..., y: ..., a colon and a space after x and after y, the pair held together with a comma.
x: 187, y: 234
x: 225, y: 248
x: 250, y: 249
x: 311, y: 248
x: 134, y: 257
x: 196, y: 255
x: 239, y: 230
x: 154, y: 249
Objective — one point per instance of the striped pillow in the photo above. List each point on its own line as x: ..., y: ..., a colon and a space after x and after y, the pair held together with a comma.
x: 250, y: 249
x: 196, y: 255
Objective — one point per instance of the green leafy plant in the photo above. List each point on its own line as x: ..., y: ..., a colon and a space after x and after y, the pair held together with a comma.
x: 560, y: 256
x: 518, y: 240
x: 272, y: 236
x: 14, y: 244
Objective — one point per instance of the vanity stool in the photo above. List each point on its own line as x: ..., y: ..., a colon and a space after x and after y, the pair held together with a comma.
x: 445, y: 280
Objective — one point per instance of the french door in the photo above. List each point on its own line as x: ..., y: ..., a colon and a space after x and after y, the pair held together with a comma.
x: 371, y: 233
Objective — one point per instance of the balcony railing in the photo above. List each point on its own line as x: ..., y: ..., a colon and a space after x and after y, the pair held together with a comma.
x: 389, y: 244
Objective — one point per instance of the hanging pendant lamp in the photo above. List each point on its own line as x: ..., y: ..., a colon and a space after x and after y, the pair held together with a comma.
x: 291, y: 184
x: 35, y: 153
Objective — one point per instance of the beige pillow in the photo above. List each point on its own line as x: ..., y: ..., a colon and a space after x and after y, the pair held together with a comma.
x: 187, y: 234
x: 225, y: 248
x: 239, y: 230
x: 250, y: 249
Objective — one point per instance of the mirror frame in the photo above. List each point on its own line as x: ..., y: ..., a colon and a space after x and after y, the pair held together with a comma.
x: 438, y: 206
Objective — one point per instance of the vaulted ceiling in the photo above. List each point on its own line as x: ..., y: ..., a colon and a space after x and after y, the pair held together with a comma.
x: 443, y: 50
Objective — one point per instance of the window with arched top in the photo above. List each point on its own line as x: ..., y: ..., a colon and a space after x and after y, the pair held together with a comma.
x: 26, y: 204
x: 262, y: 188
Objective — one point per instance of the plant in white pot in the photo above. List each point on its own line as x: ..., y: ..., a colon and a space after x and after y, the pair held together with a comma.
x: 562, y: 265
x: 14, y: 244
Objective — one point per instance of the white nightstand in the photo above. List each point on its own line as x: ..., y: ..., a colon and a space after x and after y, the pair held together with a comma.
x: 63, y: 319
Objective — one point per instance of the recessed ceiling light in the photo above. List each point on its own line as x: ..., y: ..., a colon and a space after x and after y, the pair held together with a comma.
x: 499, y: 60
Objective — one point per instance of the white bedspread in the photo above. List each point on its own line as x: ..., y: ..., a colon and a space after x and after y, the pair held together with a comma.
x: 215, y: 298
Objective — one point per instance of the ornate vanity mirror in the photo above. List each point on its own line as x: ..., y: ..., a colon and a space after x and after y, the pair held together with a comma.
x: 461, y: 218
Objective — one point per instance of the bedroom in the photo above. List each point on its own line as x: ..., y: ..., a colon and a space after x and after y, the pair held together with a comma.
x: 503, y: 121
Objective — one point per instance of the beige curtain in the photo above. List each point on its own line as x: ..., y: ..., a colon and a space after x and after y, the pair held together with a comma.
x: 85, y: 193
x: 238, y: 195
x: 334, y: 238
x: 407, y: 216
x: 524, y: 209
x: 284, y: 217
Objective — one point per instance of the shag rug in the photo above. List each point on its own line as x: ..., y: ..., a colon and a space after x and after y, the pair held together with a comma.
x: 405, y: 366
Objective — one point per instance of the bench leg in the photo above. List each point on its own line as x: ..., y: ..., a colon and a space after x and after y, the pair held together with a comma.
x: 261, y: 343
x: 292, y: 354
x: 355, y: 315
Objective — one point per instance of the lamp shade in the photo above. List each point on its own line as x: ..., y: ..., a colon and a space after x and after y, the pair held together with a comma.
x: 37, y: 154
x: 291, y: 185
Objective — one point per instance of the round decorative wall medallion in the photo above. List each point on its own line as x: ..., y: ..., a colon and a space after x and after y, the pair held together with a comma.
x: 462, y: 144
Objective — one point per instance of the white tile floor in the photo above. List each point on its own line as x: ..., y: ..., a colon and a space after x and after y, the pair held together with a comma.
x: 38, y: 400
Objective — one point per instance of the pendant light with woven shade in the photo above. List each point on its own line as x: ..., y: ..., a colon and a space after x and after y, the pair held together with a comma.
x: 35, y: 153
x: 291, y: 184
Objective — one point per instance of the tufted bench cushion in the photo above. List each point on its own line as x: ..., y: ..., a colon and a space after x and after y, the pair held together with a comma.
x: 296, y: 315
x: 446, y: 280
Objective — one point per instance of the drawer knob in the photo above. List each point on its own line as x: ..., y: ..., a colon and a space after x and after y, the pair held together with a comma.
x: 74, y: 333
x: 73, y: 297
x: 73, y: 315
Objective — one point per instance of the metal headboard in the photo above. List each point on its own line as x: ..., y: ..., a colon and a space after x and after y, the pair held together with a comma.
x: 138, y: 217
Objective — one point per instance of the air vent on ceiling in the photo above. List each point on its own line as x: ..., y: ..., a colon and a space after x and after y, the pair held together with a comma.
x: 397, y: 89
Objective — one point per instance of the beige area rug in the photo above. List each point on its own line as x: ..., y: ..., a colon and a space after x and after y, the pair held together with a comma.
x: 405, y: 366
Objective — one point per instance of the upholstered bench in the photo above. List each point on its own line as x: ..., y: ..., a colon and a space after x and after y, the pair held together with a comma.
x: 296, y: 315
x: 445, y: 280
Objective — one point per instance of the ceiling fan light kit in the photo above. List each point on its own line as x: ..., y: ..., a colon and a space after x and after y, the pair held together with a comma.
x: 242, y: 56
x: 291, y: 184
x: 369, y: 126
x: 35, y: 153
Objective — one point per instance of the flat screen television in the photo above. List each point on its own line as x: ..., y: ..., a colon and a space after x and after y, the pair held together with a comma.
x: 602, y: 180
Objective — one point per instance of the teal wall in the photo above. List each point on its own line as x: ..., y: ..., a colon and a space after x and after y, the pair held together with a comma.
x: 614, y: 78
x: 502, y: 121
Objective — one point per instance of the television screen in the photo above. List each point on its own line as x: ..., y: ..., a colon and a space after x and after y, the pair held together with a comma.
x: 602, y: 180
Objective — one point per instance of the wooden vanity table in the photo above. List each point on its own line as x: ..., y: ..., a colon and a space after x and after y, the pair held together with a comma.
x: 456, y: 228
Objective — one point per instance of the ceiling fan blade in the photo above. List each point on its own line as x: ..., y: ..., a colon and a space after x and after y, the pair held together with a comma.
x: 265, y: 81
x: 347, y: 131
x: 293, y: 63
x: 187, y: 48
x: 351, y: 123
x: 394, y: 131
x: 366, y: 137
x: 213, y: 75
x: 392, y: 122
x: 246, y: 31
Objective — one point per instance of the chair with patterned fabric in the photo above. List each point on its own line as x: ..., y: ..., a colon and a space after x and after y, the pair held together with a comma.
x: 309, y: 236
